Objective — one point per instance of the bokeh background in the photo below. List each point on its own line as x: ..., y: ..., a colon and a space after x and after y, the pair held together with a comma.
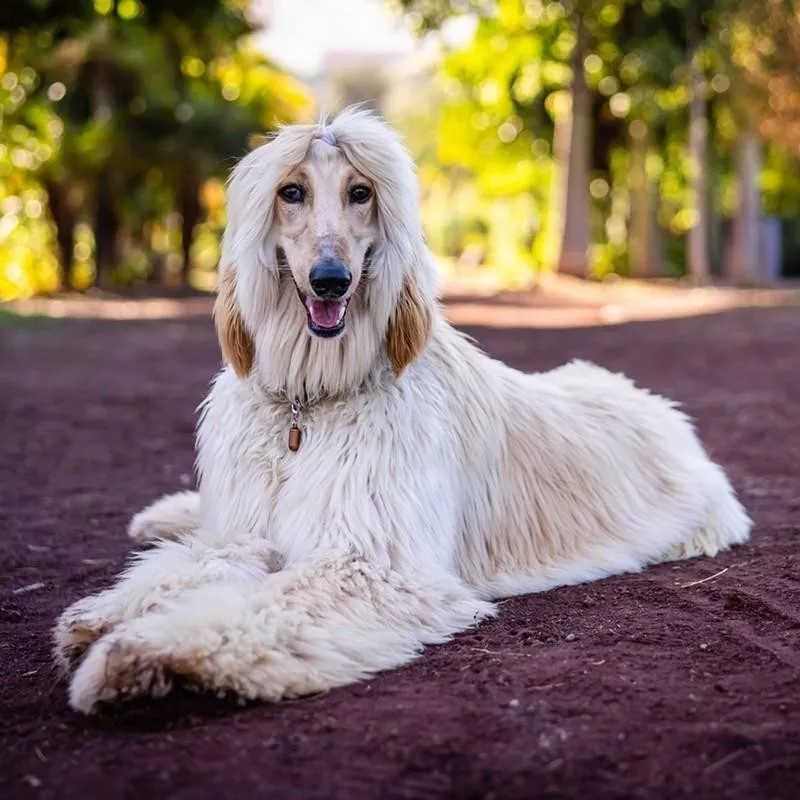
x: 608, y: 180
x: 658, y: 139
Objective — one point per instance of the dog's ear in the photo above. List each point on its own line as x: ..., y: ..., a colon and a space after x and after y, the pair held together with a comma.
x: 237, y: 345
x: 410, y: 327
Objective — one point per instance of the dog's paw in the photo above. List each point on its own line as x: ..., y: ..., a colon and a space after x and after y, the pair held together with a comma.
x: 169, y: 518
x: 145, y: 531
x: 79, y: 627
x: 117, y: 669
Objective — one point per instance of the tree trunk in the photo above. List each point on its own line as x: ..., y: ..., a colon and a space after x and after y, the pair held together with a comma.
x: 646, y: 257
x: 189, y: 209
x: 743, y: 264
x: 555, y: 207
x: 106, y: 230
x: 573, y: 258
x: 716, y: 234
x: 64, y: 219
x: 106, y: 222
x: 697, y: 239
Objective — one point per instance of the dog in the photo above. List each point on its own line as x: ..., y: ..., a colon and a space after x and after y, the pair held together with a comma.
x: 369, y: 480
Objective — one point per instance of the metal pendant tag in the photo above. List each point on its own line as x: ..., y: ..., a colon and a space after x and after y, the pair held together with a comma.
x: 295, y: 434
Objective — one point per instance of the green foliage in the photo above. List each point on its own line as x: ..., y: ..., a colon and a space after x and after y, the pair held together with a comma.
x: 119, y: 120
x: 504, y: 91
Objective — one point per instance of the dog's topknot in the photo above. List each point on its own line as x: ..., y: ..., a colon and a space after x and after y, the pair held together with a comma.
x: 327, y: 136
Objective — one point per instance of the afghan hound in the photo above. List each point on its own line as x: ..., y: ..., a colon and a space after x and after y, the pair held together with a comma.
x: 369, y: 481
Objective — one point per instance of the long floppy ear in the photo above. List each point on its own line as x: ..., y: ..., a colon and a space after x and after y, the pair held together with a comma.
x: 410, y: 327
x: 237, y: 345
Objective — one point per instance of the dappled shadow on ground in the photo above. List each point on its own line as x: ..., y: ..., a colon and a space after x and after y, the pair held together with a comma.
x: 648, y: 685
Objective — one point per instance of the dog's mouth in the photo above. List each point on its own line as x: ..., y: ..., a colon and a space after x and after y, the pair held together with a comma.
x: 326, y: 318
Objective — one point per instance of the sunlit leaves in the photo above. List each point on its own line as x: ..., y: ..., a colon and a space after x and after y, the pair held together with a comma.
x: 183, y: 95
x: 505, y: 88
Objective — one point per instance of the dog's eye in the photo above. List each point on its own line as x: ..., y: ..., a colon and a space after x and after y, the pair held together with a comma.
x: 292, y: 193
x: 360, y: 194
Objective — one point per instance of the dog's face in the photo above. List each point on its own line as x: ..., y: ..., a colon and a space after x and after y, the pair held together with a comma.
x: 323, y: 232
x: 325, y: 225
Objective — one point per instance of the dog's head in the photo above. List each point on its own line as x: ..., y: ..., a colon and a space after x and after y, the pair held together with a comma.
x: 324, y: 270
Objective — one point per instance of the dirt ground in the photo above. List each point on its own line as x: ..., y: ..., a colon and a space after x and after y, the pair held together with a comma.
x: 656, y: 685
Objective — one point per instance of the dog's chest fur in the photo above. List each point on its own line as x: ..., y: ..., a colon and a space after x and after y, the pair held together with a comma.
x: 352, y: 482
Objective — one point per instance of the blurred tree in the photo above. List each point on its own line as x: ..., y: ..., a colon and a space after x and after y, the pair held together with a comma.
x: 128, y: 109
x: 569, y: 221
x: 697, y: 161
x: 585, y: 73
x: 661, y: 78
x: 762, y: 46
x: 522, y: 73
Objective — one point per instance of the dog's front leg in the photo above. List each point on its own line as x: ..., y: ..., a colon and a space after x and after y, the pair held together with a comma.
x: 301, y: 631
x: 153, y: 581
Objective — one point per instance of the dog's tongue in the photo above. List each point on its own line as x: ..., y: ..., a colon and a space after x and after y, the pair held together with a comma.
x: 326, y: 313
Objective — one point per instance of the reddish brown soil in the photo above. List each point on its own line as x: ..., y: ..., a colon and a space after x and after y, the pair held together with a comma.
x: 635, y: 687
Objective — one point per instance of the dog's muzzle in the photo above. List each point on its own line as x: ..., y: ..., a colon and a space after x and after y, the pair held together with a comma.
x: 326, y: 308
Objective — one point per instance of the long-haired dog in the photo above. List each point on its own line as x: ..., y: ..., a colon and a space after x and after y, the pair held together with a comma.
x: 369, y: 481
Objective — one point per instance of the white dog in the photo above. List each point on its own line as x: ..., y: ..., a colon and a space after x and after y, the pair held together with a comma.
x: 368, y: 480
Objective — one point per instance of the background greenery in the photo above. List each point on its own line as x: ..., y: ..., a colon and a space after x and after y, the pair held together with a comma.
x: 648, y: 137
x: 120, y: 121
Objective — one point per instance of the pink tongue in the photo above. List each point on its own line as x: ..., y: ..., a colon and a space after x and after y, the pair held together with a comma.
x: 326, y: 313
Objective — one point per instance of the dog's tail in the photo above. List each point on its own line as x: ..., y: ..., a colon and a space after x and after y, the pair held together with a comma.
x: 727, y: 525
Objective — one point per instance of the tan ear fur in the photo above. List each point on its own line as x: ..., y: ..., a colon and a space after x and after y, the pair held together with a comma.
x: 410, y: 329
x: 238, y: 348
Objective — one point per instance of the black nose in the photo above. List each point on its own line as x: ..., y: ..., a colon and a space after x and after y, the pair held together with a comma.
x: 330, y: 279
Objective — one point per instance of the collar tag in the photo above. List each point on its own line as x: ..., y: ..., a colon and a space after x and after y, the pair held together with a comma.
x: 295, y: 434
